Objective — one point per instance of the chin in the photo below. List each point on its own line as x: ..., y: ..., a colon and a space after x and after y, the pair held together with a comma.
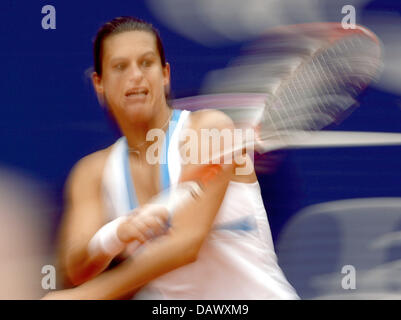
x: 138, y: 113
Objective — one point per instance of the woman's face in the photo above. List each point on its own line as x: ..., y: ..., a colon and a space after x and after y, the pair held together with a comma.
x: 133, y: 80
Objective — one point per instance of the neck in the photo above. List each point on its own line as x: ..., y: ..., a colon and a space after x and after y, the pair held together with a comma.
x: 136, y: 133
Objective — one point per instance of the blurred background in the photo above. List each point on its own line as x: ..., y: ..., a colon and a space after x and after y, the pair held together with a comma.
x: 50, y: 118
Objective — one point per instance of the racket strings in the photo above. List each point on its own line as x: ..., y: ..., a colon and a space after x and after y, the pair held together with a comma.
x: 323, y: 88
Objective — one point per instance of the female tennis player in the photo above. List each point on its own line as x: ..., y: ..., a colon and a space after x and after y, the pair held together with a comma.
x: 217, y: 245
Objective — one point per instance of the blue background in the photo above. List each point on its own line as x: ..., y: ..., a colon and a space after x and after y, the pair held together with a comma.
x: 50, y: 118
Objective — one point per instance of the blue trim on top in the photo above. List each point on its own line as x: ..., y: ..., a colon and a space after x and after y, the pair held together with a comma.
x: 247, y: 223
x: 132, y: 200
x: 164, y: 174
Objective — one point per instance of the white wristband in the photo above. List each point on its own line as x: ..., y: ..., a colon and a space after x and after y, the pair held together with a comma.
x: 106, y: 239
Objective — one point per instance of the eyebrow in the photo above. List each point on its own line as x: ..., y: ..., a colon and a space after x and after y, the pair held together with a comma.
x: 114, y: 59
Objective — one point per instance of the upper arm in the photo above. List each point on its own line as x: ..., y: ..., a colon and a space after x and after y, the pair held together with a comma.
x: 196, y: 218
x: 83, y: 212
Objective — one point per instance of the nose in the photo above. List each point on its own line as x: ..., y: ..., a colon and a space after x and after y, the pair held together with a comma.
x: 135, y: 73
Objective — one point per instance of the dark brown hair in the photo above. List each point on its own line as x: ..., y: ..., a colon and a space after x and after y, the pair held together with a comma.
x: 119, y: 25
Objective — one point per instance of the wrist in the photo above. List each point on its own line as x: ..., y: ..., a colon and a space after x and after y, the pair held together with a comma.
x: 106, y: 239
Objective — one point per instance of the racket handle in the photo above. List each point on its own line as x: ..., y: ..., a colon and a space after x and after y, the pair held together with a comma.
x: 190, y: 187
x: 203, y: 175
x: 175, y: 197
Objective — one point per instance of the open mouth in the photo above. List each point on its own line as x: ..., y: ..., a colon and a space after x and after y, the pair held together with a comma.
x: 137, y: 93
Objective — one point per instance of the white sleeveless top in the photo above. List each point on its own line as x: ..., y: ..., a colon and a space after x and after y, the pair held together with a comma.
x: 236, y: 261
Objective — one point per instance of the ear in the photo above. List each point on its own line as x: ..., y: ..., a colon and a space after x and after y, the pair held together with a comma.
x: 98, y: 86
x: 166, y: 78
x: 166, y: 74
x: 97, y: 83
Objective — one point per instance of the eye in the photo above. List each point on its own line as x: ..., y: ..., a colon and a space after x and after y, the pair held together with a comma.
x: 119, y: 66
x: 147, y: 63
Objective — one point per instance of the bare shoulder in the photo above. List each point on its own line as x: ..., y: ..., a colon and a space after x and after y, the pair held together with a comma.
x: 216, y: 119
x: 89, y: 169
x: 210, y: 118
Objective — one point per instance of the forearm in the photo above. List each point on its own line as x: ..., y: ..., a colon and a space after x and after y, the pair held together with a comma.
x: 177, y: 248
x: 191, y: 223
x: 80, y: 266
x: 91, y: 260
x: 96, y: 255
x: 159, y: 257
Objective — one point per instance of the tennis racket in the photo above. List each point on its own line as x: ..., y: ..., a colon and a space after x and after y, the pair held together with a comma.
x: 289, y: 84
x: 293, y: 81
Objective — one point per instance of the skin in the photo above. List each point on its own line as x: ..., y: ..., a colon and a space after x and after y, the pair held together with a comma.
x: 131, y: 61
x: 126, y: 66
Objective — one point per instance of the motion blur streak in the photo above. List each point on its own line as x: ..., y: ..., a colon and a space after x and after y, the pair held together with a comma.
x: 217, y: 22
x: 222, y: 22
x: 24, y: 236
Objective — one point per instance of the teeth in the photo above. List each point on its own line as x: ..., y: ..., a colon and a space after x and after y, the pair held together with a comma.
x: 136, y: 92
